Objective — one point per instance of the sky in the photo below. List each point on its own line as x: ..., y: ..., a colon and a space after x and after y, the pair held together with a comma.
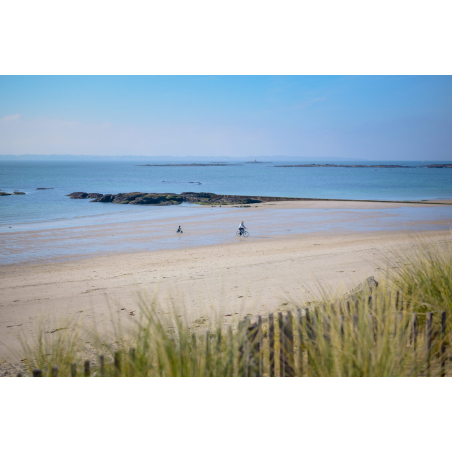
x: 362, y: 117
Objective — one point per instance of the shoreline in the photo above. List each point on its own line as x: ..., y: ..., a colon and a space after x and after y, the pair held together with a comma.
x: 153, y: 228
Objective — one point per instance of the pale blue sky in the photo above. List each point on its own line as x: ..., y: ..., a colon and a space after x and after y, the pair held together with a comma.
x: 394, y: 117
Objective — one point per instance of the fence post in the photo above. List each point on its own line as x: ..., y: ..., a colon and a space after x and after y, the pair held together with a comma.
x: 101, y: 366
x: 246, y: 352
x: 428, y: 337
x: 37, y: 373
x: 218, y: 360
x: 414, y: 330
x: 300, y: 342
x: 271, y: 343
x: 117, y: 364
x: 207, y: 369
x: 281, y: 345
x: 443, y: 343
x: 87, y: 368
x: 309, y: 328
x: 254, y: 349
x: 260, y: 348
x: 73, y: 370
x: 55, y: 371
x: 289, y: 366
x: 194, y: 346
x: 132, y: 362
x: 230, y: 371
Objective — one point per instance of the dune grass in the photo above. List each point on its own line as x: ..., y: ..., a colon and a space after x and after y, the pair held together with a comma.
x: 382, y: 331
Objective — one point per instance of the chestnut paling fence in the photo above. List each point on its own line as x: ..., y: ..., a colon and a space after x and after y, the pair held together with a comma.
x: 357, y: 337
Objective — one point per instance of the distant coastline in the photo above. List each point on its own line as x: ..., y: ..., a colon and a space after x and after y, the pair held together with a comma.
x: 328, y: 165
x: 194, y: 164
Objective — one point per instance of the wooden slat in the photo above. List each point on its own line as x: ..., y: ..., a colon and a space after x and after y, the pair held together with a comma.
x: 428, y: 339
x: 271, y: 343
x: 443, y: 343
x: 300, y: 342
x: 281, y: 345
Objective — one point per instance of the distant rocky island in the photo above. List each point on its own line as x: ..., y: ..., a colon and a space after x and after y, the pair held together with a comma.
x: 15, y: 192
x: 438, y: 165
x: 255, y: 161
x: 328, y: 165
x: 193, y: 164
x: 168, y: 199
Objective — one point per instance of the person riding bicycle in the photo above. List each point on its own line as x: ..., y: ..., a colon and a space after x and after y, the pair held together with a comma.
x: 179, y: 229
x: 242, y: 228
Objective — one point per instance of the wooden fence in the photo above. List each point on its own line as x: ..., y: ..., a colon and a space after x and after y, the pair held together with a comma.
x: 286, y: 338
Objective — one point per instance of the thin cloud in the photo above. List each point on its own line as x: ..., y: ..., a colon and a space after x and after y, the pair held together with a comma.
x: 308, y: 103
x: 10, y: 118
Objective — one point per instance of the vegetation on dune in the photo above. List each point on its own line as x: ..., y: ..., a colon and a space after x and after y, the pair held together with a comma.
x: 395, y: 329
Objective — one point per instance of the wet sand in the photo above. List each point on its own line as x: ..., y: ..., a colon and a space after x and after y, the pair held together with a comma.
x: 242, y: 276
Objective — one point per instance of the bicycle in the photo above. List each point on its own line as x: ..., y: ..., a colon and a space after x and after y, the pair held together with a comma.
x: 245, y: 233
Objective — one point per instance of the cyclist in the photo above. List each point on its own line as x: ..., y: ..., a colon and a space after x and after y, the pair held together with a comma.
x: 179, y: 230
x: 242, y: 228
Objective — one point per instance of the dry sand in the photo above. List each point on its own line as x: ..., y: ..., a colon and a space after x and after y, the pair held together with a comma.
x: 246, y: 277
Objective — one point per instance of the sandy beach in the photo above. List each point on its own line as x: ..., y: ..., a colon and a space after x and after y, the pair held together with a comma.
x: 242, y: 276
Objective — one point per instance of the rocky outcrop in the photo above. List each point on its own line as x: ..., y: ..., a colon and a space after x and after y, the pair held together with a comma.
x: 78, y: 195
x: 166, y: 199
x: 105, y: 198
x: 44, y: 189
x: 438, y: 165
x: 15, y: 192
x: 196, y: 164
x: 162, y: 199
x: 328, y: 165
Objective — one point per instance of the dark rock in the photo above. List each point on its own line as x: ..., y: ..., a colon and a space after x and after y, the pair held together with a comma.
x: 163, y: 199
x: 95, y: 195
x: 78, y: 195
x: 3, y: 193
x: 44, y: 189
x: 127, y: 198
x: 18, y: 193
x: 106, y: 198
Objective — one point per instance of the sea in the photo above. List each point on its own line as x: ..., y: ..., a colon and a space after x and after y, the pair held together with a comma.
x: 44, y: 211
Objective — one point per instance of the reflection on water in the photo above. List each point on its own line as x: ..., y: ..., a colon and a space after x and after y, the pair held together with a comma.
x: 148, y: 229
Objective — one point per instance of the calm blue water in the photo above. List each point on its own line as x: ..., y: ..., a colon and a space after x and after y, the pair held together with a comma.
x: 41, y: 207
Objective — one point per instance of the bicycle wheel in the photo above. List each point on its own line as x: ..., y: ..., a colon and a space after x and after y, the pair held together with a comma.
x: 237, y: 233
x: 245, y: 234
